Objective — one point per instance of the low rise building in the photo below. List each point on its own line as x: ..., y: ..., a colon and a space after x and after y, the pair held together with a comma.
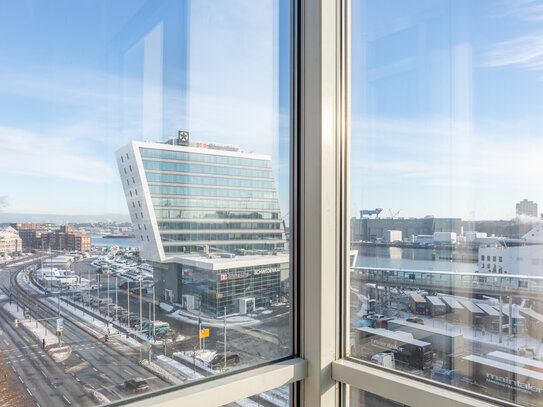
x: 392, y: 236
x: 445, y: 237
x: 526, y: 259
x: 66, y: 238
x: 10, y: 242
x: 30, y: 234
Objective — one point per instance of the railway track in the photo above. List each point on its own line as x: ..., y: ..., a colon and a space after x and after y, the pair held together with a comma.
x: 94, y: 362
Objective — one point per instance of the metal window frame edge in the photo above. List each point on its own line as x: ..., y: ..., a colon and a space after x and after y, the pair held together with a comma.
x: 406, y: 390
x: 320, y: 124
x: 388, y: 384
x: 223, y: 389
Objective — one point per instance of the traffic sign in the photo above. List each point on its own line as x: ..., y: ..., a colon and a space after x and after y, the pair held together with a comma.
x: 60, y: 324
x: 204, y: 333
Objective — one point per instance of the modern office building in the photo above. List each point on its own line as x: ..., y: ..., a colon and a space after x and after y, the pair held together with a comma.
x: 208, y: 217
x: 527, y: 208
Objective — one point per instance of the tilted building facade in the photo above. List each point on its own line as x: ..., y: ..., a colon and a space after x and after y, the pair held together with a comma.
x: 208, y: 218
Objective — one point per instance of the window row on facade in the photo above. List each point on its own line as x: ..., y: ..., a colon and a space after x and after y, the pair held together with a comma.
x: 218, y: 226
x: 205, y: 169
x: 201, y: 180
x: 183, y: 214
x: 207, y: 191
x: 217, y: 247
x: 189, y: 237
x: 213, y: 203
x: 205, y: 158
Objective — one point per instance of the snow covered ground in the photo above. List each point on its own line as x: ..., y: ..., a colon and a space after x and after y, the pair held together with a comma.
x: 166, y: 307
x: 232, y: 320
x: 39, y: 333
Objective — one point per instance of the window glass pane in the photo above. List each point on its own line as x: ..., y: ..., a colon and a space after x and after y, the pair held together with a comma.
x: 446, y: 236
x: 279, y: 397
x: 359, y: 398
x: 145, y: 198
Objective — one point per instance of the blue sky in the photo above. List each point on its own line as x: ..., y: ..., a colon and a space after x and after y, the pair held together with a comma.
x: 80, y: 79
x: 446, y: 98
x: 447, y: 107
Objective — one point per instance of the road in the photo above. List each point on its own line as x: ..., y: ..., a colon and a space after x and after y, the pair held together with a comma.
x: 102, y: 366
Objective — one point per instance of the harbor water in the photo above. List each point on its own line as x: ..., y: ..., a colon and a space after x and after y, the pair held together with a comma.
x: 412, y: 258
x: 123, y: 242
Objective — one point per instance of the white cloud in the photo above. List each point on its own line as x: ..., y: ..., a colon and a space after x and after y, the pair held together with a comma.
x: 493, y: 156
x: 525, y: 51
x: 62, y: 154
x: 526, y: 10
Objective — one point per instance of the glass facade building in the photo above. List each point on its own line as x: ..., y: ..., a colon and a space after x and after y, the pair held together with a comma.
x: 208, y: 214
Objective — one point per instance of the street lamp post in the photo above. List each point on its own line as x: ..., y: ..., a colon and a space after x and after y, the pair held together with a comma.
x: 141, y: 311
x: 224, y: 338
x: 128, y: 300
x: 107, y: 301
x: 116, y: 298
x: 154, y: 313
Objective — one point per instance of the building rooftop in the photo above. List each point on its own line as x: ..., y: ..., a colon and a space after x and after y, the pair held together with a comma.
x: 202, y: 148
x: 221, y: 263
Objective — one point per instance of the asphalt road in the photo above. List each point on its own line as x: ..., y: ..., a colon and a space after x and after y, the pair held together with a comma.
x: 92, y: 363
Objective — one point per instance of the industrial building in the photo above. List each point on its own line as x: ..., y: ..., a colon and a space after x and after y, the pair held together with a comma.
x: 371, y: 229
x: 208, y: 218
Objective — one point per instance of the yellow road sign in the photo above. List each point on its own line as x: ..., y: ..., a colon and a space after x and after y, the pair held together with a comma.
x: 204, y: 333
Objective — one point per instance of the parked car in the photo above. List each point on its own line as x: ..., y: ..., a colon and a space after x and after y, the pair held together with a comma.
x: 137, y: 385
x: 415, y: 320
x: 218, y: 360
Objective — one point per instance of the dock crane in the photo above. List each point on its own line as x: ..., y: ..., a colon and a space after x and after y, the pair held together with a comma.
x: 370, y: 212
x: 393, y: 215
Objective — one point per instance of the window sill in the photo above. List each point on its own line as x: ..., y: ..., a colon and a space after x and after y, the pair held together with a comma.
x: 402, y: 389
x: 225, y: 388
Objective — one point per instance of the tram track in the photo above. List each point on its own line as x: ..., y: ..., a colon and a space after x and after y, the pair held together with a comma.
x: 102, y: 367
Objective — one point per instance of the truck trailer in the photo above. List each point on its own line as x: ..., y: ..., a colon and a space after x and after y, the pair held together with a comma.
x: 436, y: 307
x: 502, y: 380
x: 447, y: 344
x: 409, y: 353
x: 417, y: 304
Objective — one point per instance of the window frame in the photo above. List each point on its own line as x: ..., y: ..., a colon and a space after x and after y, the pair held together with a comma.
x: 238, y: 384
x: 353, y: 373
x: 320, y: 368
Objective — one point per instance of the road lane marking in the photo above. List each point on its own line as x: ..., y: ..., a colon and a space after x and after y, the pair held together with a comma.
x: 29, y: 392
x: 21, y: 380
x: 65, y: 398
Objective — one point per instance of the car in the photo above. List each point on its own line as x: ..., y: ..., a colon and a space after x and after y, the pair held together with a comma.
x: 375, y: 316
x: 137, y: 385
x: 415, y: 320
x: 218, y: 360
